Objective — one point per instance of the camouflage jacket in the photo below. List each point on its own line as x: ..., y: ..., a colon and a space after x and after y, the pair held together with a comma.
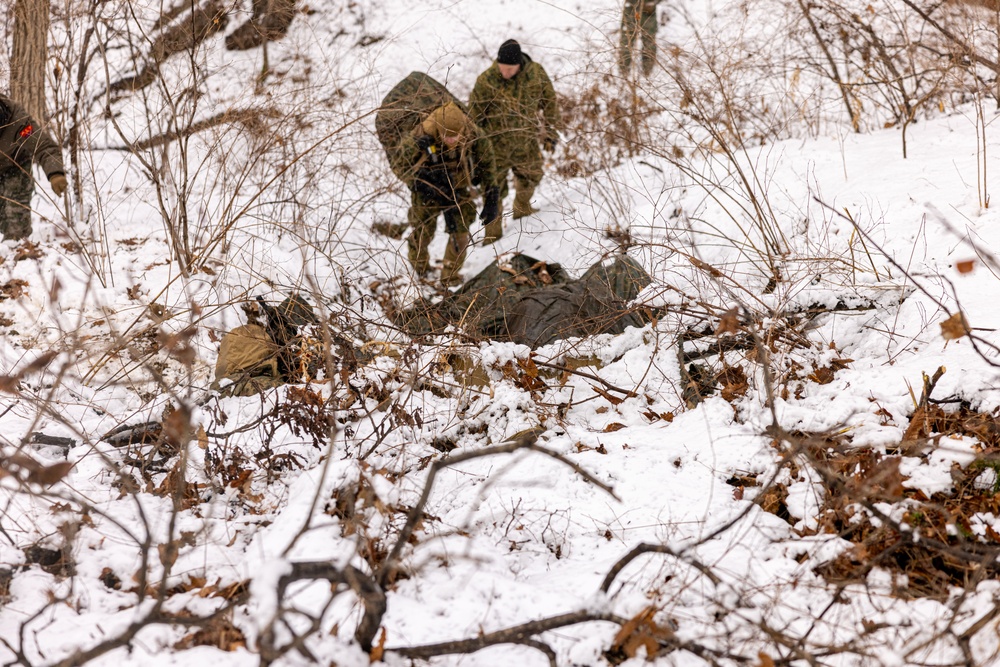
x: 23, y: 140
x: 471, y: 162
x: 508, y: 109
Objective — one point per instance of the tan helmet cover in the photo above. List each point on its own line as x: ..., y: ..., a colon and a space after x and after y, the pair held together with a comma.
x: 446, y: 120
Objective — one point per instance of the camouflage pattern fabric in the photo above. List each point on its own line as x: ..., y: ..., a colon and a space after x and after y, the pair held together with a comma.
x: 596, y: 303
x: 410, y: 147
x: 638, y: 17
x: 423, y: 216
x: 533, y: 303
x: 23, y: 141
x: 525, y: 161
x: 516, y: 114
x: 16, y: 188
x: 403, y: 108
x: 472, y: 162
x: 516, y: 111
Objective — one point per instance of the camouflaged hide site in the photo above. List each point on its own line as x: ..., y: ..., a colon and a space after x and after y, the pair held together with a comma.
x: 517, y: 298
x: 521, y: 299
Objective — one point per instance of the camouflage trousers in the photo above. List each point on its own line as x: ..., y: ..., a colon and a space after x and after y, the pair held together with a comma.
x: 638, y: 16
x: 423, y: 216
x: 16, y: 188
x: 523, y: 158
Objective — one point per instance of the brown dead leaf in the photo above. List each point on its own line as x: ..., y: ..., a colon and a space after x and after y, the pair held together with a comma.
x: 885, y: 480
x: 13, y: 289
x: 379, y: 649
x: 219, y: 633
x: 765, y: 660
x: 528, y: 366
x: 167, y: 553
x: 28, y: 250
x: 641, y: 632
x: 177, y: 427
x: 614, y: 426
x: 955, y: 326
x: 734, y: 383
x: 965, y: 266
x: 729, y: 322
x: 49, y: 475
x: 823, y: 375
x: 613, y: 400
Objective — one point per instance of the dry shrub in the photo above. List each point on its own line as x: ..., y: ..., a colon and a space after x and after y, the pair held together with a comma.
x: 305, y: 412
x: 936, y: 543
x: 606, y: 123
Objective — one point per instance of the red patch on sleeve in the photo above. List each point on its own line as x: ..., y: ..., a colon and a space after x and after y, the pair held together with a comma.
x: 26, y: 131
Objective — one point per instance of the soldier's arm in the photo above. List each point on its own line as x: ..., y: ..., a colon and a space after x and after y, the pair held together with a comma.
x: 406, y: 159
x: 548, y: 104
x: 34, y: 143
x: 478, y: 101
x: 485, y: 168
x: 46, y: 152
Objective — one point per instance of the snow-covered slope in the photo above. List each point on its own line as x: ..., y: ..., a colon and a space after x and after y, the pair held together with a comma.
x: 835, y: 258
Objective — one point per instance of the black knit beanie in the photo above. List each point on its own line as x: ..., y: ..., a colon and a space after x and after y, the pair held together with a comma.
x: 510, y: 53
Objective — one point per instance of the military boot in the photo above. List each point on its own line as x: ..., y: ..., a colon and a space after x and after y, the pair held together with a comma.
x: 522, y: 203
x: 494, y: 228
x: 454, y: 258
x: 417, y: 252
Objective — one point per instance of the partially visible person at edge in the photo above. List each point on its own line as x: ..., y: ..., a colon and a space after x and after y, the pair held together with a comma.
x: 515, y: 105
x: 638, y: 16
x: 443, y: 157
x: 22, y: 140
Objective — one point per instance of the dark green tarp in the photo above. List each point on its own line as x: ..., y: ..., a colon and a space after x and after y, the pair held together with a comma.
x: 528, y: 301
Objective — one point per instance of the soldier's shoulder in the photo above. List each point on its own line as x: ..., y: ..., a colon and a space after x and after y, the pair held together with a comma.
x: 534, y: 70
x: 489, y: 77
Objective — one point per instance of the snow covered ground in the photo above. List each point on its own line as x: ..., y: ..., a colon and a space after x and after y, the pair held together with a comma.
x: 175, y: 554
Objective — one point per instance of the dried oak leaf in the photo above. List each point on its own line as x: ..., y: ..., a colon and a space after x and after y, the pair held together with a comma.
x: 13, y: 289
x: 641, y: 632
x: 955, y: 326
x: 729, y: 322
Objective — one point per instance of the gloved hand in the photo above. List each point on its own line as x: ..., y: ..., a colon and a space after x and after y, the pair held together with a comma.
x: 426, y: 145
x: 58, y: 183
x: 549, y: 142
x: 491, y: 205
x: 434, y: 186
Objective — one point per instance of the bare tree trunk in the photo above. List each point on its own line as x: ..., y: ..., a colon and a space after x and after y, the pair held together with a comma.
x: 29, y: 55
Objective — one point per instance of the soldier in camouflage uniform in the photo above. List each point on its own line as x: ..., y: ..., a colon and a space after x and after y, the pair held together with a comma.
x: 21, y: 141
x: 506, y: 103
x: 638, y: 16
x: 439, y: 160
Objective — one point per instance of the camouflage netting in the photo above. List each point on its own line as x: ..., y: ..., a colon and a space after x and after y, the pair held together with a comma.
x: 407, y: 104
x: 526, y: 301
